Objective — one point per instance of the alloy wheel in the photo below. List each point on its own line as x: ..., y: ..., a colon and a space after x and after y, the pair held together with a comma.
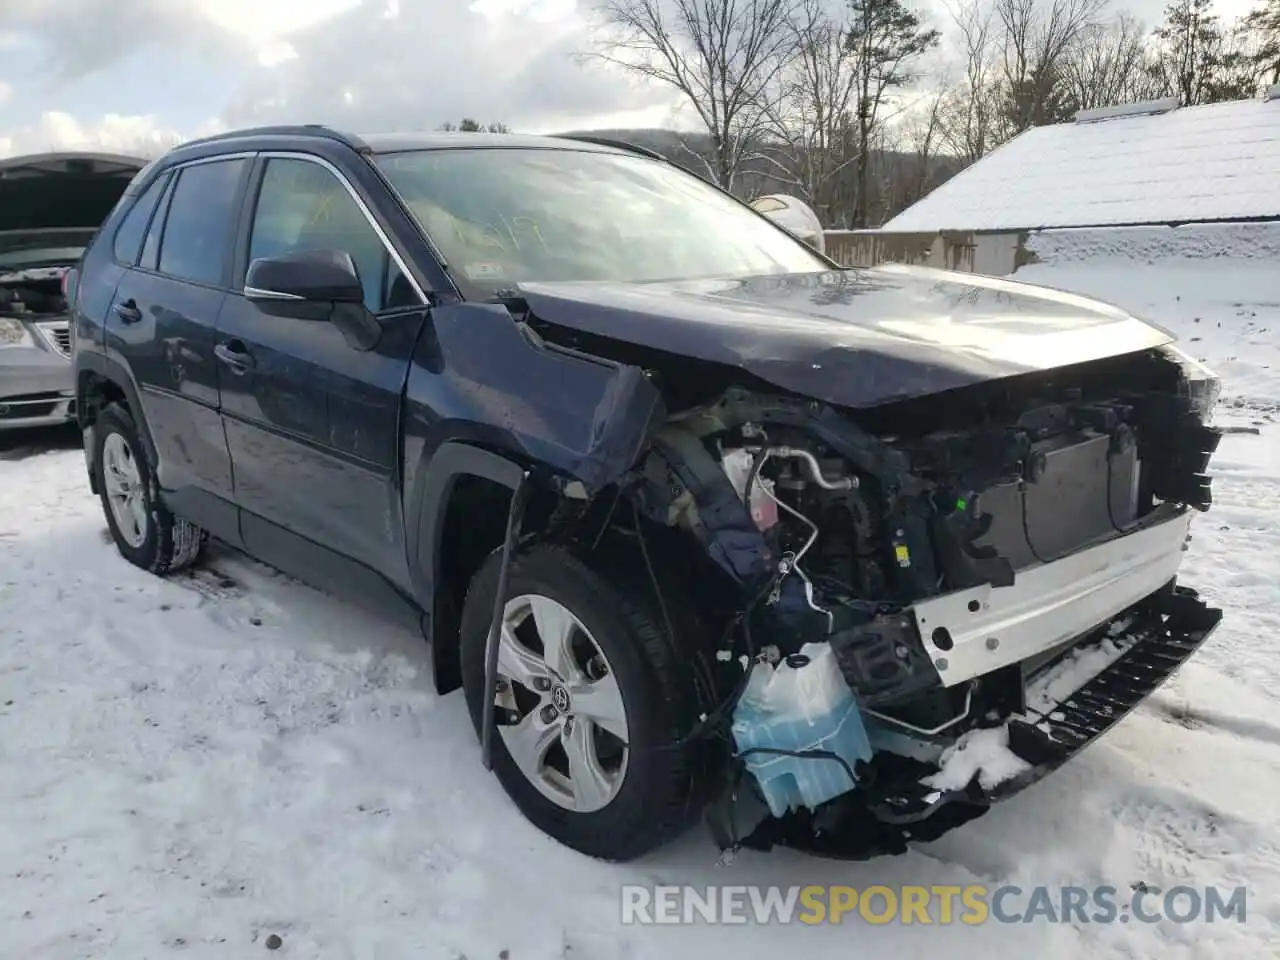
x: 570, y: 732
x: 126, y: 494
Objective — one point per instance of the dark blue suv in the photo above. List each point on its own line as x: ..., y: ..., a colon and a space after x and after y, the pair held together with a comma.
x: 698, y: 520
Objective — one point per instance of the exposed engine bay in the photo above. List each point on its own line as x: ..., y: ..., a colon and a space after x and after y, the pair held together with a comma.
x: 35, y: 294
x: 902, y: 568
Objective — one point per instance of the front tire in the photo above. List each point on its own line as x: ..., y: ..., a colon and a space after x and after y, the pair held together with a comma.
x: 590, y: 700
x: 144, y: 531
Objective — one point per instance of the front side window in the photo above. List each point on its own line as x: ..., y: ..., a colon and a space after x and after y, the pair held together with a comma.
x: 500, y: 216
x: 197, y: 231
x: 303, y: 206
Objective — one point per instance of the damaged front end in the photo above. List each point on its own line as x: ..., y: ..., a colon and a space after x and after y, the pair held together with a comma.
x: 940, y: 600
x: 916, y: 605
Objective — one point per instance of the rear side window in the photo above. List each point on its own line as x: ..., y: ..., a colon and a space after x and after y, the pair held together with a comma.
x: 197, y: 231
x: 129, y: 236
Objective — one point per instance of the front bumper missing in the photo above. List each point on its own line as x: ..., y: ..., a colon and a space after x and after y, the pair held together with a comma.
x: 1165, y: 629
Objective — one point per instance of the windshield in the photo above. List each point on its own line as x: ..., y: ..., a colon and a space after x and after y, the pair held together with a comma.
x: 500, y: 216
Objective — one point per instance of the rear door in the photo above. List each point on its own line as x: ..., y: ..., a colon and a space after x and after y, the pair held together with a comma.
x: 313, y: 423
x: 162, y: 325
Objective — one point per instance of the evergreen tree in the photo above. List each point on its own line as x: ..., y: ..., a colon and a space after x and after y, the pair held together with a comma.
x: 886, y: 40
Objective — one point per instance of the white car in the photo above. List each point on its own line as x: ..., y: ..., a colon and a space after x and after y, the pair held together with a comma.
x: 50, y: 208
x: 794, y: 216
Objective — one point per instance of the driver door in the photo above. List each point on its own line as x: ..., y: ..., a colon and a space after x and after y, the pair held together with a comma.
x: 312, y: 423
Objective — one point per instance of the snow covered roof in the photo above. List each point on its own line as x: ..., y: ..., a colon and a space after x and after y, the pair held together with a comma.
x: 1214, y: 162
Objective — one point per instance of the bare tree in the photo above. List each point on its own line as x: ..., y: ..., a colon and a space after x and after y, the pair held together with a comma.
x: 1263, y: 26
x: 1190, y: 47
x: 1248, y: 59
x: 968, y: 111
x: 887, y: 41
x: 1038, y: 37
x: 923, y: 137
x: 812, y: 119
x: 723, y: 56
x: 1106, y: 64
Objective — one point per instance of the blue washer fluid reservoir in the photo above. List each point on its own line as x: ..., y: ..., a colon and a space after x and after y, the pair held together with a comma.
x: 802, y: 704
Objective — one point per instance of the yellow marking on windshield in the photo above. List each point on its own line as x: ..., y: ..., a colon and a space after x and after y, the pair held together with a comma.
x: 323, y: 207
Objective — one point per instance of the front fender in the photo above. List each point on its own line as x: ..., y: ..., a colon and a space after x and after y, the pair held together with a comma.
x: 487, y: 397
x: 480, y: 374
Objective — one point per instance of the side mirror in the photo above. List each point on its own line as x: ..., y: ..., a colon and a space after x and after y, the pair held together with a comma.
x: 315, y: 285
x: 310, y: 276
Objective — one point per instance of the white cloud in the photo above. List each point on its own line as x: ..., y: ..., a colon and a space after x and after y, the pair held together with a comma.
x: 418, y: 63
x: 361, y: 64
x: 79, y: 37
x: 133, y: 135
x: 276, y: 52
x: 270, y: 18
x: 6, y: 91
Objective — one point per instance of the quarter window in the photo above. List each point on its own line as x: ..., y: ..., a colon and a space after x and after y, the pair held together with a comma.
x: 129, y: 236
x: 303, y: 206
x: 197, y: 231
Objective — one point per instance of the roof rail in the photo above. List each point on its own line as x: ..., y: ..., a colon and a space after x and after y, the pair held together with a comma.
x: 616, y: 144
x: 289, y: 130
x: 1142, y: 108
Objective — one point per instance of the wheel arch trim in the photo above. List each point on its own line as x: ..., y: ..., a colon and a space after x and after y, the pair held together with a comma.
x: 118, y: 375
x: 427, y: 510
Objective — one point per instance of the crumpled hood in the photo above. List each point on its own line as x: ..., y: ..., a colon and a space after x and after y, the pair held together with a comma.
x: 857, y: 337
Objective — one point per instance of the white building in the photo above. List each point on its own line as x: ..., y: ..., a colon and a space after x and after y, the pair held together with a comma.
x: 1134, y: 165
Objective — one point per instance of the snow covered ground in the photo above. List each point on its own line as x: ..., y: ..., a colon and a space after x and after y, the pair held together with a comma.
x: 190, y: 766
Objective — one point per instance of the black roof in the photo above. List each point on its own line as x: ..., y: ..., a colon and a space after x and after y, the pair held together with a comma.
x: 381, y: 143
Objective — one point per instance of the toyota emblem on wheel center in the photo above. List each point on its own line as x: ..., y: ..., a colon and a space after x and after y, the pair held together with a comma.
x: 560, y: 698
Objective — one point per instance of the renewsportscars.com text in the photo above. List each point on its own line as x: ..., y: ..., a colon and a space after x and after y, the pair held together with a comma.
x: 939, y: 904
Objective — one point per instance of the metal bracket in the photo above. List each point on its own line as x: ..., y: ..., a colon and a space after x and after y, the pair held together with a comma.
x: 515, y: 519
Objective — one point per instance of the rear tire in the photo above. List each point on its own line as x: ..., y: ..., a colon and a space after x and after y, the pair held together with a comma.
x: 643, y: 792
x: 144, y: 531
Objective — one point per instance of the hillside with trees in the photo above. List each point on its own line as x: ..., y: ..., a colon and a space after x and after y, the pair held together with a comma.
x: 863, y: 111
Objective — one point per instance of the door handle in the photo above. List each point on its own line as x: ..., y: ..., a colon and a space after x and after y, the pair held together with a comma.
x: 128, y: 311
x: 234, y: 354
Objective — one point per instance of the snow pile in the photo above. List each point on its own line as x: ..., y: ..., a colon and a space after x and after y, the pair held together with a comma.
x: 982, y: 753
x: 1244, y: 242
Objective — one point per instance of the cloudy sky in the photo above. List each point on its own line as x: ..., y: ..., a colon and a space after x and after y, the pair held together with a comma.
x: 117, y: 74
